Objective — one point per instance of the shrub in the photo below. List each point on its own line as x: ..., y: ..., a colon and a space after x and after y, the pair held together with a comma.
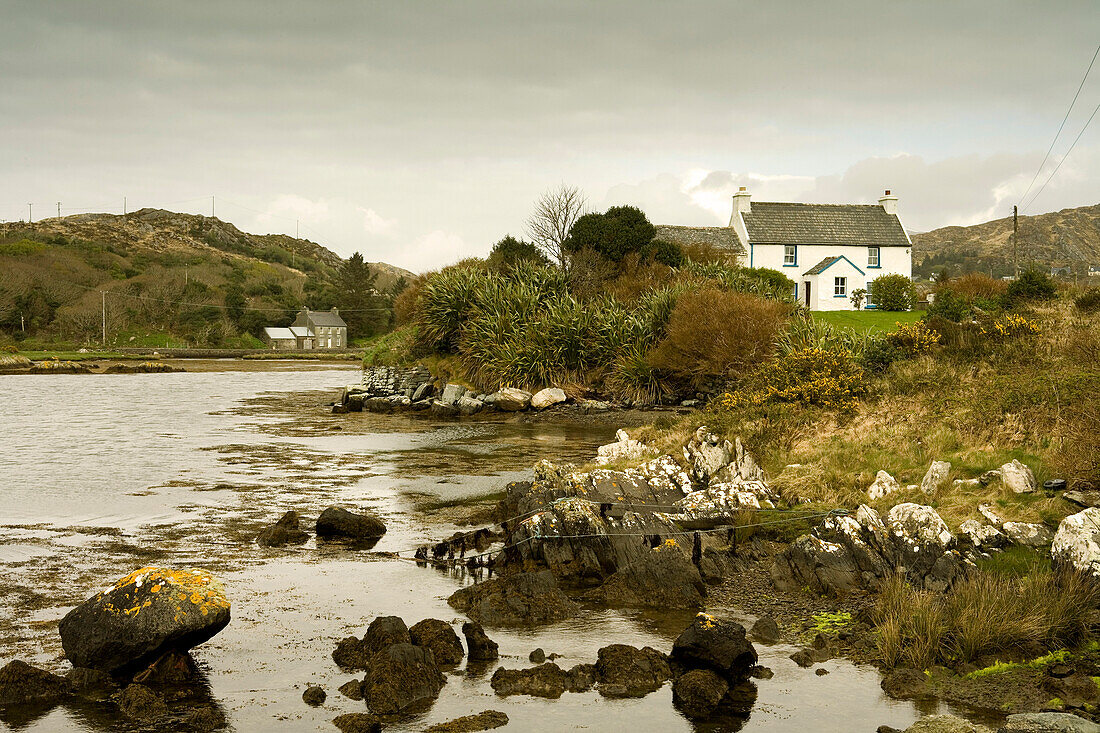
x: 509, y: 252
x: 913, y: 338
x: 758, y: 281
x: 667, y: 253
x: 975, y: 285
x: 892, y: 292
x: 1088, y: 301
x: 1032, y: 284
x: 950, y: 305
x: 857, y: 297
x: 713, y: 332
x: 633, y: 376
x: 878, y: 355
x: 807, y: 332
x: 613, y: 234
x: 1010, y: 326
x: 808, y: 377
x: 446, y: 299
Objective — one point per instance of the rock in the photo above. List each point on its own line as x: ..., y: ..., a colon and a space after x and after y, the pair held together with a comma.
x: 624, y: 448
x: 352, y: 689
x: 945, y: 724
x: 335, y: 522
x: 314, y: 695
x: 149, y: 612
x: 1076, y: 544
x: 765, y: 629
x: 93, y: 683
x: 468, y: 405
x: 515, y: 600
x: 966, y: 483
x: 384, y: 631
x: 138, y: 702
x: 358, y: 723
x: 803, y: 658
x: 905, y: 684
x: 715, y: 644
x: 171, y: 668
x: 935, y: 477
x: 1028, y: 535
x: 1018, y: 477
x: 486, y: 720
x: 509, y: 399
x: 1048, y: 723
x: 440, y: 638
x: 821, y: 671
x: 1086, y: 498
x: 982, y: 536
x: 884, y: 485
x: 479, y: 646
x: 283, y: 532
x: 989, y: 477
x: 442, y: 409
x: 401, y: 677
x: 722, y: 501
x: 580, y: 678
x: 707, y: 454
x: 547, y: 398
x: 987, y: 511
x: 22, y: 684
x: 625, y: 671
x: 538, y: 656
x: 205, y: 718
x: 664, y: 577
x: 698, y: 693
x: 760, y: 672
x: 544, y: 680
x: 351, y: 653
x: 452, y: 393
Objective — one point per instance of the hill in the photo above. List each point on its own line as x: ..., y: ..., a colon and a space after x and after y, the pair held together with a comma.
x: 1067, y: 238
x: 194, y: 277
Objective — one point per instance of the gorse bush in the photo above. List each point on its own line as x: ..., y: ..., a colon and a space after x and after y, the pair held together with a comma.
x: 1010, y: 326
x: 818, y: 377
x: 913, y: 338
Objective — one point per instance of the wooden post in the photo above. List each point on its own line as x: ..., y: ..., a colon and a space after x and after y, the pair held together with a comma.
x: 1015, y: 240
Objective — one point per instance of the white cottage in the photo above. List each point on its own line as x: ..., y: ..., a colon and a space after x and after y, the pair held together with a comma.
x: 829, y: 250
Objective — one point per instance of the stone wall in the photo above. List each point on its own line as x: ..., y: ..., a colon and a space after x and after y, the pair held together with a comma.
x: 383, y: 381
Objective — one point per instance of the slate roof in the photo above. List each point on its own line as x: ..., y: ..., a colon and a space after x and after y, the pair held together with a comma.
x: 326, y: 319
x: 721, y: 237
x: 828, y: 262
x: 843, y: 224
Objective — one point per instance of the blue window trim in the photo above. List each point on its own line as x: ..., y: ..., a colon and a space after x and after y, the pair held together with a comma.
x: 879, y: 251
x: 795, y: 263
x: 845, y: 279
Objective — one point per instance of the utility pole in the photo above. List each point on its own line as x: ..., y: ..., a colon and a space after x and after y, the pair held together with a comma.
x: 211, y: 206
x: 1016, y: 240
x: 58, y: 209
x: 296, y: 228
x: 103, y: 295
x: 123, y: 207
x: 30, y: 214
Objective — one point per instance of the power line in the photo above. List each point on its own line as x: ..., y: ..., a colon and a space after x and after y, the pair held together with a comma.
x: 1045, y: 157
x: 1066, y: 155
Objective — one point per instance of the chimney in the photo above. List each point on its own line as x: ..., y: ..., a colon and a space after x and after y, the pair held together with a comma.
x: 889, y: 203
x: 336, y: 312
x: 741, y: 204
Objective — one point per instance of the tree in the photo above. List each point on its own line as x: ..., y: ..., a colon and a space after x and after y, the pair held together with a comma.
x: 509, y: 252
x: 234, y: 303
x: 613, y: 235
x: 364, y: 308
x: 556, y: 211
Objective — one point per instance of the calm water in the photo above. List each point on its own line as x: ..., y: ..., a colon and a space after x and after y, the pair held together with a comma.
x: 102, y: 474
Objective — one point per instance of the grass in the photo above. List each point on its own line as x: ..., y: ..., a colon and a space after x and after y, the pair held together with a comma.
x: 876, y: 321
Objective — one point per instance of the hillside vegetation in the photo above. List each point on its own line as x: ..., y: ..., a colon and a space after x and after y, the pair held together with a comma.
x: 1067, y: 238
x: 196, y: 278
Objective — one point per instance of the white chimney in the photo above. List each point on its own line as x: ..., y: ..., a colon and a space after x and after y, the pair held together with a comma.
x: 889, y: 203
x: 741, y: 204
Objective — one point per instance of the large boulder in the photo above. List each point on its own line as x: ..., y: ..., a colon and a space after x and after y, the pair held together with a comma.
x: 440, y: 638
x: 401, y: 677
x: 509, y: 399
x: 664, y: 577
x: 384, y: 631
x: 625, y: 671
x: 545, y: 680
x: 144, y: 615
x: 1048, y: 723
x: 283, y: 532
x: 547, y: 398
x: 515, y: 600
x: 1077, y: 542
x: 480, y: 648
x: 945, y: 723
x: 351, y: 653
x: 468, y: 405
x: 22, y: 684
x: 624, y: 448
x: 338, y: 523
x: 935, y: 476
x: 698, y: 693
x: 357, y: 723
x: 715, y: 644
x: 1018, y: 477
x: 452, y: 393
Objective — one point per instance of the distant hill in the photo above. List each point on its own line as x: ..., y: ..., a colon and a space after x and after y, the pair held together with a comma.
x: 1067, y: 238
x: 196, y: 277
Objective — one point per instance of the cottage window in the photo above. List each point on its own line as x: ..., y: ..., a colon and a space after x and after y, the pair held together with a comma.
x: 840, y: 287
x: 790, y: 255
x: 872, y: 257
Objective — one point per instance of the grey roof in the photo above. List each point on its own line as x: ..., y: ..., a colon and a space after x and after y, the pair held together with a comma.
x: 326, y: 318
x: 721, y: 237
x: 302, y: 331
x: 828, y: 262
x: 274, y: 333
x: 848, y: 224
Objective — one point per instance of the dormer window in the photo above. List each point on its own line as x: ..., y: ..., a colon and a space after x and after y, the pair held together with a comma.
x: 873, y: 257
x: 790, y: 255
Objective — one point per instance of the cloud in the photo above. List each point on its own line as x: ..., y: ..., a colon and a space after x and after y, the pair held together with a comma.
x: 289, y: 207
x: 374, y: 223
x: 437, y: 249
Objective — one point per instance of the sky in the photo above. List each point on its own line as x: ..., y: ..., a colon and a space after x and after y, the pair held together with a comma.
x: 419, y: 133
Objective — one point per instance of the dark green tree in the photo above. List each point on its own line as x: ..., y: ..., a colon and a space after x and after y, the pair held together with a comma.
x: 613, y: 235
x: 234, y: 303
x: 366, y: 311
x: 509, y: 252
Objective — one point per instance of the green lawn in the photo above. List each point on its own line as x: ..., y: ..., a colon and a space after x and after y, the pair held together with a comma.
x: 878, y: 321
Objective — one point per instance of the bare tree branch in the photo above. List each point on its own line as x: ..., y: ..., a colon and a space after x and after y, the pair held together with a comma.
x: 553, y: 217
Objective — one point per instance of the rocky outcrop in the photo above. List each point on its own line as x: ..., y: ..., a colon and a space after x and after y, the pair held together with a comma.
x: 22, y: 684
x: 515, y: 600
x: 1048, y: 723
x: 479, y: 646
x: 945, y: 723
x: 548, y: 398
x: 144, y: 615
x: 626, y: 671
x: 544, y: 680
x: 699, y: 692
x: 847, y: 553
x: 384, y: 631
x: 401, y: 677
x: 713, y: 459
x: 1076, y: 544
x: 486, y: 720
x: 338, y: 523
x: 358, y: 723
x: 439, y: 638
x: 624, y: 448
x: 664, y: 577
x: 283, y: 532
x: 935, y: 477
x: 1018, y: 477
x: 715, y: 644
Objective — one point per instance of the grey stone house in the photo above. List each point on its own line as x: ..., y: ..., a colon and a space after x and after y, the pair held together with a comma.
x: 326, y: 328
